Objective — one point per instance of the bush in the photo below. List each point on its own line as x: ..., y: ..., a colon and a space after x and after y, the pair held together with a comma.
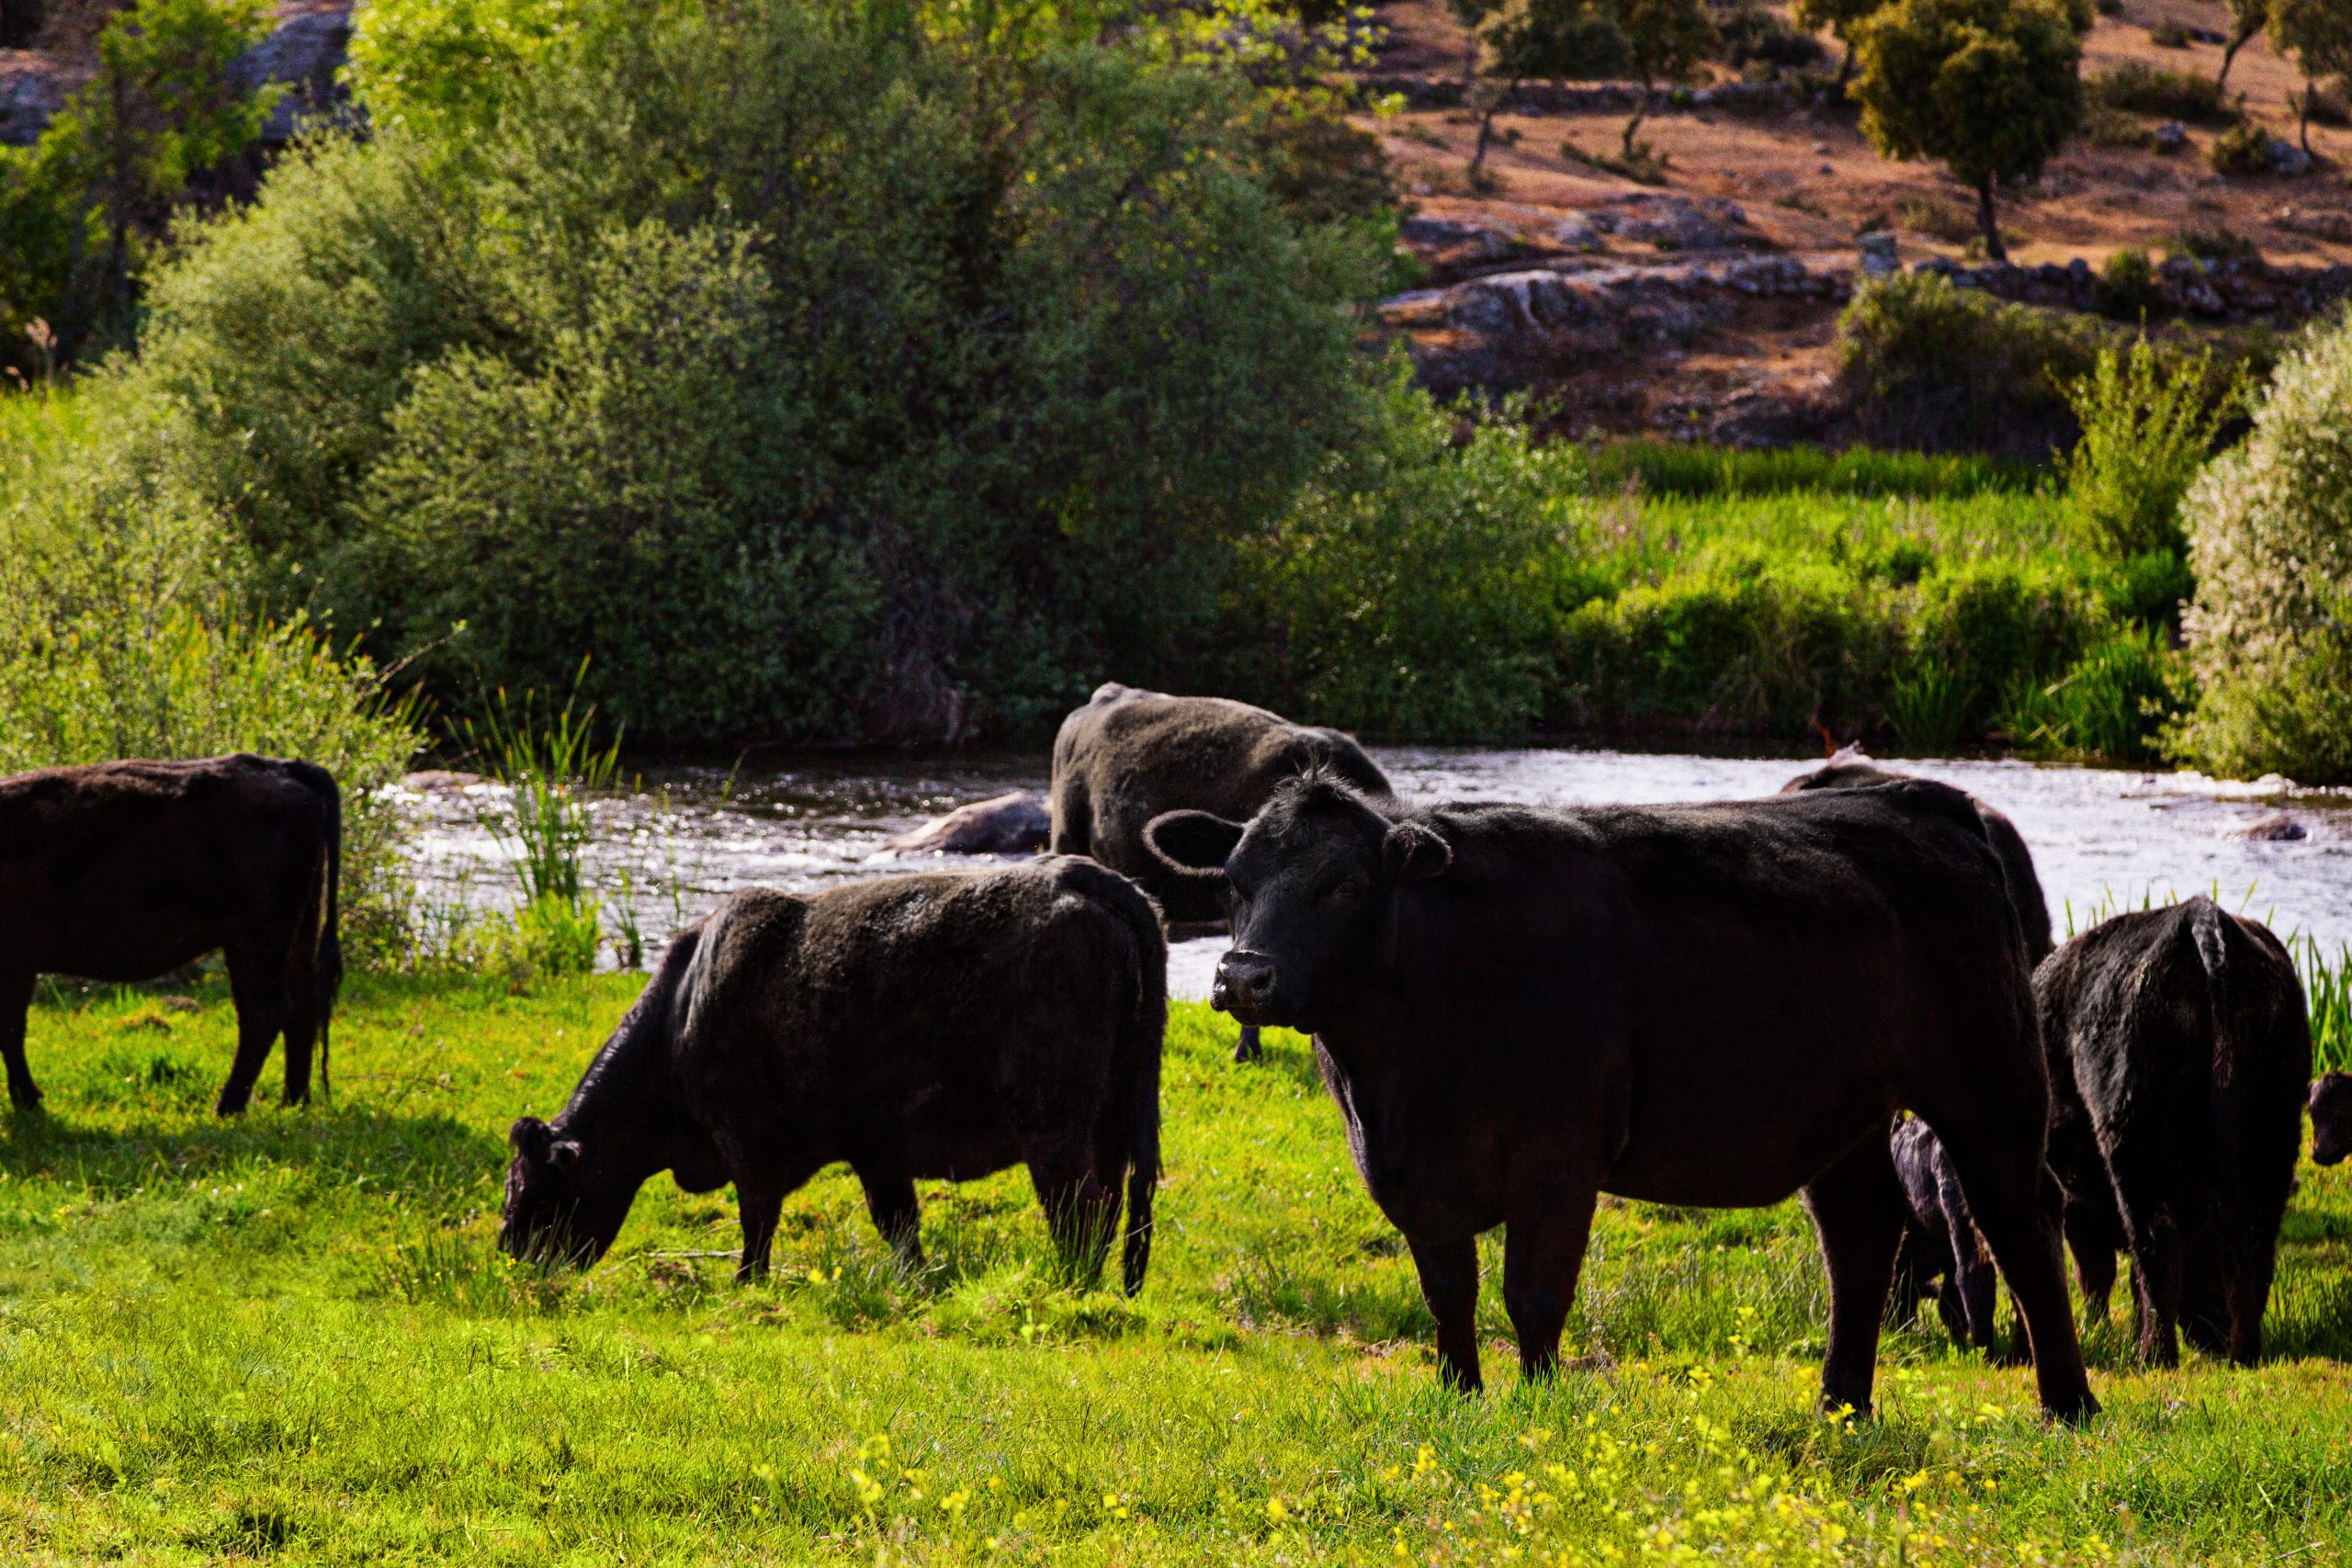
x: 1743, y: 640
x: 2137, y: 89
x: 1750, y: 34
x: 1928, y: 364
x: 2126, y: 284
x: 2146, y: 431
x: 2242, y: 152
x: 1410, y: 589
x: 2111, y: 705
x: 2268, y: 632
x: 1676, y: 467
x: 1986, y: 628
x: 909, y: 419
x: 124, y: 632
x: 2168, y: 35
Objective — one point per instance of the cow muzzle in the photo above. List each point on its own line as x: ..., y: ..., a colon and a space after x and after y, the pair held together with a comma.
x: 1244, y: 985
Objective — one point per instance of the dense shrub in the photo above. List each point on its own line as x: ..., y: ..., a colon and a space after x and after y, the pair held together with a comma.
x: 1412, y: 588
x: 2136, y: 87
x: 2268, y: 632
x: 1742, y: 639
x: 1681, y: 468
x: 125, y: 631
x: 911, y: 416
x: 2242, y: 152
x: 1930, y: 366
x: 2146, y: 431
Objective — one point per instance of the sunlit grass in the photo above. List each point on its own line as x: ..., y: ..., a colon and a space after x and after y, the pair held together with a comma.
x: 292, y: 1336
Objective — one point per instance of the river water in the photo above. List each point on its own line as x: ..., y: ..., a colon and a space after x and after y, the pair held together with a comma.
x: 680, y: 839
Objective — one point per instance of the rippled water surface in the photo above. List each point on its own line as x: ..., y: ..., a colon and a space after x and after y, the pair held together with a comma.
x: 684, y: 837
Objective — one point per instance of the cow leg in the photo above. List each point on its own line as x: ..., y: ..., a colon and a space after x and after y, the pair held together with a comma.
x: 2157, y: 1273
x: 16, y: 999
x: 2248, y: 1285
x: 891, y: 1199
x: 301, y: 1034
x: 1449, y: 1271
x: 256, y: 984
x: 2093, y: 1245
x: 1080, y: 1211
x: 1249, y: 1050
x: 759, y: 1205
x: 1543, y: 1254
x: 1859, y: 1210
x: 2018, y: 1207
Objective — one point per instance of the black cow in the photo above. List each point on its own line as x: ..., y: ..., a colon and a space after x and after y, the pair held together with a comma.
x: 1850, y: 770
x: 1941, y: 1251
x: 946, y: 1025
x: 1129, y: 755
x: 125, y: 871
x: 2179, y: 1038
x: 1518, y: 1010
x: 2331, y: 1103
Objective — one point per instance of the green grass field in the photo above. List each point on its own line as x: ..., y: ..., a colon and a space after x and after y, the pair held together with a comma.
x: 292, y: 1337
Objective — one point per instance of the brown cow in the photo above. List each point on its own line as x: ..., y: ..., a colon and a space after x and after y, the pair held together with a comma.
x: 124, y: 871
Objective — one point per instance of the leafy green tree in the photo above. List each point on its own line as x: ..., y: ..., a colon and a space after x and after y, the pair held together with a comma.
x: 1552, y: 41
x: 1838, y: 16
x: 1665, y: 40
x: 2247, y: 17
x: 2318, y: 33
x: 1991, y: 88
x: 80, y: 208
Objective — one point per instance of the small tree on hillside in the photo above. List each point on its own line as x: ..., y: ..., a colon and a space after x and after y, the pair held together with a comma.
x: 1664, y: 39
x: 1550, y: 41
x: 1990, y: 87
x: 1838, y: 16
x: 2318, y: 33
x: 2247, y: 17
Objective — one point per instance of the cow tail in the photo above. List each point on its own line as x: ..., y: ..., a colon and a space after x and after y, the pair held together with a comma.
x: 328, y: 970
x: 2210, y: 930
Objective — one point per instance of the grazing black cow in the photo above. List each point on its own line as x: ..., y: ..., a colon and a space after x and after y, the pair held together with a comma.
x: 125, y: 871
x: 946, y: 1025
x: 1129, y: 755
x: 2331, y: 1103
x: 1851, y: 770
x: 1940, y: 1241
x: 1518, y: 1010
x: 2179, y: 1036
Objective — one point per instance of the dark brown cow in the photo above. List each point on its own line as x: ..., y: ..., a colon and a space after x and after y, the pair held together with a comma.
x: 1518, y: 1010
x: 946, y: 1025
x: 1129, y: 755
x: 2180, y: 1052
x: 2331, y: 1105
x: 1941, y: 1251
x: 125, y: 871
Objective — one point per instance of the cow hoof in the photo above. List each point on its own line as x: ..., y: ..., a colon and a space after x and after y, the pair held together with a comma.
x: 2075, y: 1415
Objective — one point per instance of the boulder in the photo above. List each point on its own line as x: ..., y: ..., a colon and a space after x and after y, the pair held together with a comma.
x: 2273, y: 826
x: 1008, y: 825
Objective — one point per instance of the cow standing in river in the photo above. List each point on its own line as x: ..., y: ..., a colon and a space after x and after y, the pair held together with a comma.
x: 1129, y: 755
x: 125, y: 871
x: 1518, y: 1010
x: 939, y: 1026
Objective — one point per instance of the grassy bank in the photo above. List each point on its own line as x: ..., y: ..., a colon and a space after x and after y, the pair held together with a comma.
x: 292, y: 1337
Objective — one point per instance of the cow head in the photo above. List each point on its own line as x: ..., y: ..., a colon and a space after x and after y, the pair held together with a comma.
x: 2331, y: 1118
x: 559, y: 1205
x: 1309, y: 881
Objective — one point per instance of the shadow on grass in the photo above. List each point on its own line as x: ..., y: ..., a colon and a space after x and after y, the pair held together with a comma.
x: 432, y: 1156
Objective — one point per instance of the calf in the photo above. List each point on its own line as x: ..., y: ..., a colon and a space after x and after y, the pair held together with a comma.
x: 1940, y: 1240
x: 1129, y: 755
x: 946, y: 1025
x: 1518, y: 1010
x: 125, y: 871
x: 2331, y: 1103
x: 2178, y: 1040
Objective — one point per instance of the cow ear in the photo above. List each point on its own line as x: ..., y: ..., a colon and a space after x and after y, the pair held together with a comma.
x: 1413, y: 853
x: 1192, y: 843
x: 529, y: 1137
x: 564, y: 1153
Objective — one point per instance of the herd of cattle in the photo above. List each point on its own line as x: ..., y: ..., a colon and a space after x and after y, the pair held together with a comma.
x: 1847, y: 991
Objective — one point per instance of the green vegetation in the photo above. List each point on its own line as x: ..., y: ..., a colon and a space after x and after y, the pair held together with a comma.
x: 81, y: 210
x: 2267, y: 634
x: 1987, y: 88
x: 2133, y: 88
x: 292, y: 1336
x: 2318, y: 33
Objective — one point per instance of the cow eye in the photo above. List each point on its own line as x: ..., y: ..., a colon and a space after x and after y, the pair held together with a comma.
x: 1346, y: 891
